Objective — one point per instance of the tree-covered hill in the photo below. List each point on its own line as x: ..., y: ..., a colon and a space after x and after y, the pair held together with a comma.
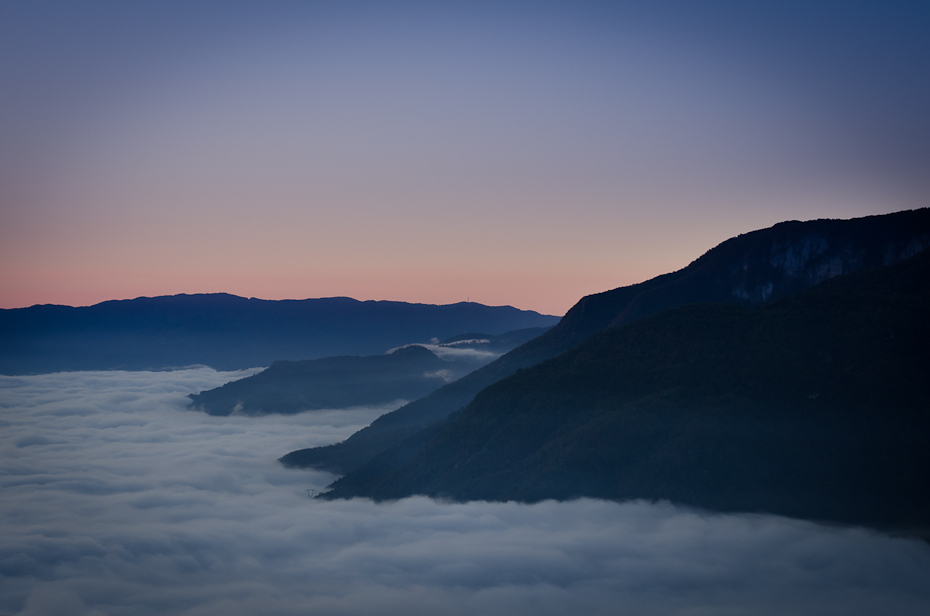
x: 405, y: 373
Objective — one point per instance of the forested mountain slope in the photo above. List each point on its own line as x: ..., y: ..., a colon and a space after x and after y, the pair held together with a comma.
x: 815, y: 406
x: 747, y: 270
x: 406, y: 373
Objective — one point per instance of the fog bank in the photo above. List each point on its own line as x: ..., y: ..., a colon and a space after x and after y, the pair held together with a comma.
x: 117, y: 500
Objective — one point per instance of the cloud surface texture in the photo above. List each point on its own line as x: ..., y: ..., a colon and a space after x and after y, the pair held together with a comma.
x: 117, y: 500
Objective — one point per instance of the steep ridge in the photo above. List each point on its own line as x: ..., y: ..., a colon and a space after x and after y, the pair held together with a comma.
x: 228, y: 332
x: 815, y: 406
x: 752, y: 268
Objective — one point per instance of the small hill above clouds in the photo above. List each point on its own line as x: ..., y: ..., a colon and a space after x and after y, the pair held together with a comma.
x: 747, y: 270
x: 331, y: 382
x: 405, y: 373
x: 816, y: 406
x: 228, y: 332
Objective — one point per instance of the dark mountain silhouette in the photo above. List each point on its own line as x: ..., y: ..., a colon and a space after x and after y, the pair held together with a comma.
x: 816, y: 406
x: 407, y: 373
x: 330, y: 382
x: 229, y: 332
x: 747, y: 270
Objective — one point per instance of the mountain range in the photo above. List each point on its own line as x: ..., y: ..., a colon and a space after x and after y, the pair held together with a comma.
x: 747, y: 270
x: 228, y: 332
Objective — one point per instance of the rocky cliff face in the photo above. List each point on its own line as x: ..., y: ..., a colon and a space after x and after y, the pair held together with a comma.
x: 803, y: 260
x: 768, y: 264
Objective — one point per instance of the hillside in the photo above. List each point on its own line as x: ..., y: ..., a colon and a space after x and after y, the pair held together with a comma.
x: 406, y: 373
x: 228, y: 332
x: 816, y: 406
x: 747, y: 270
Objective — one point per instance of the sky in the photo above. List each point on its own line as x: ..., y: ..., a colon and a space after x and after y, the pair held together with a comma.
x: 119, y: 501
x: 521, y: 153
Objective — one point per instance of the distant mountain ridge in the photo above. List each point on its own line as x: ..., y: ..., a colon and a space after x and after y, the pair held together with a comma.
x: 228, y: 332
x: 749, y: 269
x: 815, y: 406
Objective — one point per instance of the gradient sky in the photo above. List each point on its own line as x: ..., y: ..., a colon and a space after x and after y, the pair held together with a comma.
x: 522, y: 153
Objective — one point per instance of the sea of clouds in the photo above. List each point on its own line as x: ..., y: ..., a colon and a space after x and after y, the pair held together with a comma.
x: 118, y: 500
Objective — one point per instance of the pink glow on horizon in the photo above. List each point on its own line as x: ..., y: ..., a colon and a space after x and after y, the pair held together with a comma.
x: 512, y: 157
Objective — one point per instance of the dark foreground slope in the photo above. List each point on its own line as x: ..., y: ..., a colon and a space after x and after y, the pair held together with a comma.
x: 746, y: 270
x: 407, y: 373
x: 817, y: 406
x: 228, y: 332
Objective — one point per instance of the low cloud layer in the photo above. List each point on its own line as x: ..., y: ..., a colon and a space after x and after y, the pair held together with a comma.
x: 117, y: 500
x: 454, y: 353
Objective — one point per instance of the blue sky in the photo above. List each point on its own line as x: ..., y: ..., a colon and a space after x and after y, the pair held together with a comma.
x: 518, y: 153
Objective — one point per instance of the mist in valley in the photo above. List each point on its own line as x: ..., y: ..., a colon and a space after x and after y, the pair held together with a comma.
x: 117, y: 499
